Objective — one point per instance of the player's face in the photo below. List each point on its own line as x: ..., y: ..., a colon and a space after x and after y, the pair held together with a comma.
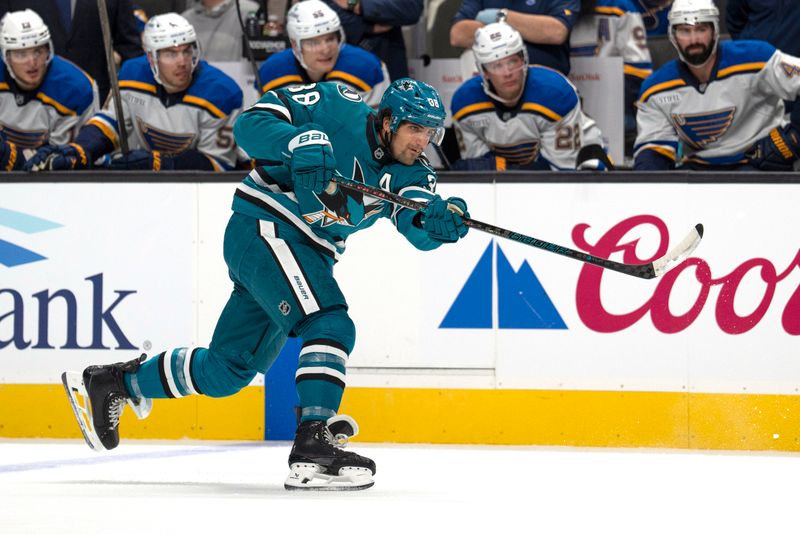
x: 175, y: 66
x: 408, y: 141
x: 506, y: 75
x: 29, y: 65
x: 320, y: 53
x: 695, y: 41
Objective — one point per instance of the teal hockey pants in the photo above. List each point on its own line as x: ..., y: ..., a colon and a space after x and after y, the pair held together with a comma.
x: 282, y: 286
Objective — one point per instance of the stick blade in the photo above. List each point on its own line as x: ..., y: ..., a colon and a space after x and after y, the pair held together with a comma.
x: 680, y: 252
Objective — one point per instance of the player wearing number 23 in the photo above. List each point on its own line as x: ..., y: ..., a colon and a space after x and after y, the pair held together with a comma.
x: 179, y: 111
x: 289, y: 227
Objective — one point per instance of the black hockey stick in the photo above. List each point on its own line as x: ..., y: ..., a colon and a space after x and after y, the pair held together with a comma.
x: 647, y: 270
x: 105, y: 27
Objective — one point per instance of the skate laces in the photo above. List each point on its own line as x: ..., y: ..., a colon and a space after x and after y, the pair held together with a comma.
x: 339, y: 440
x: 115, y: 408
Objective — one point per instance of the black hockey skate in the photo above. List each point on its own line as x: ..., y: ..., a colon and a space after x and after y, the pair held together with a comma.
x: 318, y: 461
x: 102, y: 399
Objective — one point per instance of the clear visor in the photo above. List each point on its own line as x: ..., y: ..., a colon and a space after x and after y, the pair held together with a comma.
x: 437, y: 136
x: 506, y: 65
x: 321, y: 41
x: 177, y: 54
x: 687, y: 31
x: 39, y: 53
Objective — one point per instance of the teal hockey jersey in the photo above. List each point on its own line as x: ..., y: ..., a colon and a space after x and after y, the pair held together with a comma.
x: 324, y: 220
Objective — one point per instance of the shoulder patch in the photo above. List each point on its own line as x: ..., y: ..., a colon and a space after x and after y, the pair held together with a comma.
x: 348, y: 93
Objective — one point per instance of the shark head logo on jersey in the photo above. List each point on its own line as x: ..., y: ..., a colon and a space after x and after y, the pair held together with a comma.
x: 689, y: 22
x: 345, y: 206
x: 163, y: 40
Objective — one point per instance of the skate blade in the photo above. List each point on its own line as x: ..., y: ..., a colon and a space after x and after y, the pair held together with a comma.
x: 309, y: 477
x: 73, y: 385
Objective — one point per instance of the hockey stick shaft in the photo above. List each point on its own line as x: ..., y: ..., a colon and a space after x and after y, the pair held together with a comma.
x: 105, y: 26
x: 647, y: 270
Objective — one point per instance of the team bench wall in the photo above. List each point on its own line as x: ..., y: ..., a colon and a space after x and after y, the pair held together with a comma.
x: 484, y: 342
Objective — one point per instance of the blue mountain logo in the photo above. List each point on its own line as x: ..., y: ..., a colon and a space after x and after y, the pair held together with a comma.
x: 12, y: 255
x: 522, y: 301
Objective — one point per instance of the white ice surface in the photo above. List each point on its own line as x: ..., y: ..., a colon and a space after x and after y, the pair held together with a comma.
x: 221, y: 488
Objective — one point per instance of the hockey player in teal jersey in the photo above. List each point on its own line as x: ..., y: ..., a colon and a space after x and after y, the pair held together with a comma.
x: 319, y: 53
x: 44, y: 98
x: 289, y: 226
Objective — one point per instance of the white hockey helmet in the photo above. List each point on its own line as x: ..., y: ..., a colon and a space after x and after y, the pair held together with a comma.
x: 496, y: 41
x: 693, y: 12
x: 166, y: 31
x: 308, y: 19
x: 23, y: 29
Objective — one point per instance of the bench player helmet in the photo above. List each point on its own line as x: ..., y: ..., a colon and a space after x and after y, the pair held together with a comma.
x: 23, y: 29
x: 693, y: 12
x: 309, y: 19
x: 496, y: 41
x: 166, y: 31
x: 414, y: 101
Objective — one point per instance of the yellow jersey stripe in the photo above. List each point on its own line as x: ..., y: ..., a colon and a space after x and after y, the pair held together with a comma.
x: 349, y: 78
x: 541, y: 109
x: 3, y: 86
x: 108, y: 132
x: 472, y: 108
x: 203, y: 103
x: 744, y: 67
x: 609, y: 11
x: 61, y: 108
x: 214, y: 164
x: 661, y: 87
x: 664, y: 151
x: 280, y: 82
x: 635, y: 71
x: 131, y: 84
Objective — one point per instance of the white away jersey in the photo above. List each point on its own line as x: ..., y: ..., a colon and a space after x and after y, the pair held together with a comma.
x: 53, y: 112
x: 718, y: 121
x: 547, y: 123
x: 201, y: 118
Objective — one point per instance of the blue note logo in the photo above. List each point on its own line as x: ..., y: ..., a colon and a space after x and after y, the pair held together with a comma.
x: 12, y: 255
x: 522, y: 301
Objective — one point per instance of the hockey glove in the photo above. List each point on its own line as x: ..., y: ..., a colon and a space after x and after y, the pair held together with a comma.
x: 444, y: 219
x: 777, y: 151
x: 310, y: 157
x: 58, y: 158
x: 141, y: 160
